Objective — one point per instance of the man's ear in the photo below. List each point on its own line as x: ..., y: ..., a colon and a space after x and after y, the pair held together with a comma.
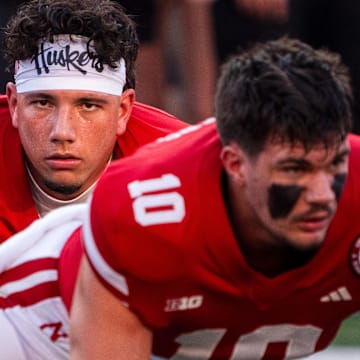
x: 11, y: 94
x: 234, y: 161
x: 127, y: 100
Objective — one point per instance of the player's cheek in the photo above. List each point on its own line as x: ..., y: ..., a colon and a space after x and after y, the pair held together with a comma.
x: 338, y: 185
x: 282, y: 199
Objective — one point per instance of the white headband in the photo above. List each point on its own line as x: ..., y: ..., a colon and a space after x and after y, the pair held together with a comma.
x: 66, y: 64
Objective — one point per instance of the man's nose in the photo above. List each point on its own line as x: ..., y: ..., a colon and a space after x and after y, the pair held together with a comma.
x: 320, y: 189
x: 63, y: 125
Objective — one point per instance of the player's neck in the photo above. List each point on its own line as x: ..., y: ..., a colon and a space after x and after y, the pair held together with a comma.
x: 271, y: 261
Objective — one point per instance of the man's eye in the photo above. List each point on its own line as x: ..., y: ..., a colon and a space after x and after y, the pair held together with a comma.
x: 293, y: 169
x: 339, y: 161
x: 89, y: 106
x: 41, y: 102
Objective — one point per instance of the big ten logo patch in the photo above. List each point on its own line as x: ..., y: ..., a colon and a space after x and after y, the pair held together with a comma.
x: 184, y: 303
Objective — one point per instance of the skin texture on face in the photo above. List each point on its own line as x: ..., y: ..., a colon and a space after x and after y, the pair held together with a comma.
x: 282, y: 198
x: 68, y: 136
x: 338, y: 185
x: 286, y: 197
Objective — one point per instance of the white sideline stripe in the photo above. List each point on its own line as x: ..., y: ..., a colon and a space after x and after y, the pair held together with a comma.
x: 116, y: 280
x: 28, y: 282
x: 22, y: 242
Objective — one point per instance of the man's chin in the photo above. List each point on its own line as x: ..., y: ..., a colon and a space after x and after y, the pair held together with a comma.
x: 309, y: 242
x: 63, y: 189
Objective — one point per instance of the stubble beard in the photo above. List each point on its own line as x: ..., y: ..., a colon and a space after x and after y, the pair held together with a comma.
x: 63, y: 189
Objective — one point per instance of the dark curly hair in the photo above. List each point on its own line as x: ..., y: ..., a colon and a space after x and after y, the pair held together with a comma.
x: 104, y: 22
x: 285, y: 89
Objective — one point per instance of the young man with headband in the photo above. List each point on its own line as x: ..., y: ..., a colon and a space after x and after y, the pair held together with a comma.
x: 236, y: 240
x: 72, y: 111
x: 72, y: 105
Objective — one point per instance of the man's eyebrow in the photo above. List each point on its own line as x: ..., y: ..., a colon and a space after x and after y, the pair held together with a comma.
x: 93, y: 99
x: 298, y: 161
x: 303, y: 162
x: 38, y: 95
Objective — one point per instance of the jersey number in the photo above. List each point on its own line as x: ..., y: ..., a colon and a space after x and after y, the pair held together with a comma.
x: 201, y: 344
x: 154, y: 204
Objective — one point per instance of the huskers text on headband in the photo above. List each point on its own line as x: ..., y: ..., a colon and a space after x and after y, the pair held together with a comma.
x: 69, y: 63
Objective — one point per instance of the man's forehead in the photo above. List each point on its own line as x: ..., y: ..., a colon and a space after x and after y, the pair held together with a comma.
x: 317, y: 152
x: 73, y: 94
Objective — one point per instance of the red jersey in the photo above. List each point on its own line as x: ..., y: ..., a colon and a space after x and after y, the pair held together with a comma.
x: 17, y: 207
x: 173, y: 259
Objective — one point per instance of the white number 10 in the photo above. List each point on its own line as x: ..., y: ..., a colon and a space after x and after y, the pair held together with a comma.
x: 161, y: 206
x: 201, y: 344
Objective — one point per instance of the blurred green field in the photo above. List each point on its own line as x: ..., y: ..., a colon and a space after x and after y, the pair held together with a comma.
x: 349, y: 334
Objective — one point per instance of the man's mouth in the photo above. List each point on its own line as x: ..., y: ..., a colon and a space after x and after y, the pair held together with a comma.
x: 62, y: 162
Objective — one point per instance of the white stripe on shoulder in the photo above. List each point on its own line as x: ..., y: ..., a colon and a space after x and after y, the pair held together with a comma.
x: 49, y: 232
x: 113, y: 278
x: 28, y: 282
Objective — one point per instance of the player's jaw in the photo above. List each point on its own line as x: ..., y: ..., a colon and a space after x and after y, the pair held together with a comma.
x: 63, y: 185
x: 63, y: 189
x: 63, y: 178
x: 308, y: 230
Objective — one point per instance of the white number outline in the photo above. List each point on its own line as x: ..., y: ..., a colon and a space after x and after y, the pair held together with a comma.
x: 200, y: 344
x: 146, y: 206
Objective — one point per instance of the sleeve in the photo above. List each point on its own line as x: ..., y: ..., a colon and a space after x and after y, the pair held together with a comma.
x: 137, y: 263
x: 69, y: 264
x: 130, y: 235
x: 99, y: 262
x: 110, y: 233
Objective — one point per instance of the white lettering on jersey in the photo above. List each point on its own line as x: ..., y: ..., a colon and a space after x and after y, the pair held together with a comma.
x: 160, y: 208
x: 184, y: 303
x: 55, y: 330
x: 301, y: 341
